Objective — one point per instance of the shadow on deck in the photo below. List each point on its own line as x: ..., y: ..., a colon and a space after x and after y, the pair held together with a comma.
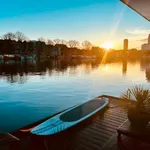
x: 99, y: 134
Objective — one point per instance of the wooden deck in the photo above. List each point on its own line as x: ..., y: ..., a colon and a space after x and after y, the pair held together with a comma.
x: 100, y: 134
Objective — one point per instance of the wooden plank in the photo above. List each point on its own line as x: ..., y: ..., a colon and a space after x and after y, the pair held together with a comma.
x: 88, y: 143
x: 103, y: 138
x: 111, y: 121
x: 118, y: 114
x: 94, y: 135
x: 91, y: 139
x: 110, y: 124
x: 116, y: 108
x: 115, y: 117
x: 109, y: 129
x: 101, y: 132
x: 116, y: 111
x: 110, y: 143
x: 114, y: 98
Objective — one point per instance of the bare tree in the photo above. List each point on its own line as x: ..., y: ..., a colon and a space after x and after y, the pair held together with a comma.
x: 73, y: 43
x: 20, y: 36
x: 9, y: 36
x: 41, y: 39
x: 87, y: 45
x: 57, y: 41
x: 50, y: 42
x: 64, y: 42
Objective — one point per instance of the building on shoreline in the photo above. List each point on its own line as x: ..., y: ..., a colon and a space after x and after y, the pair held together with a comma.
x: 146, y: 46
x: 125, y: 44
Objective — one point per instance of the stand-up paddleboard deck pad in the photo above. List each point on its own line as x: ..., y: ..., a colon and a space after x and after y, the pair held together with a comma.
x: 70, y: 117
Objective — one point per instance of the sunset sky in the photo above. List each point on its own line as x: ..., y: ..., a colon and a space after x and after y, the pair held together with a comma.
x: 98, y: 21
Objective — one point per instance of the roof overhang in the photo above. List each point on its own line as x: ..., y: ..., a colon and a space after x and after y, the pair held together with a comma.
x: 140, y: 6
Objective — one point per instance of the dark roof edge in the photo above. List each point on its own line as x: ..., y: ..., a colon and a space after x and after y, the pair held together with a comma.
x: 134, y: 10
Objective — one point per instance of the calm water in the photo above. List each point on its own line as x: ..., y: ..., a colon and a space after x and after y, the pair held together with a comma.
x: 31, y: 91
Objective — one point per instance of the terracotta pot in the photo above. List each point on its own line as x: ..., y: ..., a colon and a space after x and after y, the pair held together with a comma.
x: 138, y: 119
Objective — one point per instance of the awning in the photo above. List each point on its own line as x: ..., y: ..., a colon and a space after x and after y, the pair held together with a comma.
x: 140, y: 6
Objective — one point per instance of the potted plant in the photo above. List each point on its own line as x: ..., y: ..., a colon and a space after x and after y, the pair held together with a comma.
x: 138, y: 106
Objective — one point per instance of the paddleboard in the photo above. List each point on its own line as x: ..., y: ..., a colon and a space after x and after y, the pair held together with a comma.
x: 70, y: 117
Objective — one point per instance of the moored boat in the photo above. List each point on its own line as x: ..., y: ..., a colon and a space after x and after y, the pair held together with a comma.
x: 17, y: 58
x: 8, y: 57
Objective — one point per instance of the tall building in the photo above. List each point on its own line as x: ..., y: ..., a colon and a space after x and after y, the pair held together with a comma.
x: 125, y: 44
x: 146, y: 46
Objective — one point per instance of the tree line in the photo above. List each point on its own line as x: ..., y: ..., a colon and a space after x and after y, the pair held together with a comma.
x: 21, y: 37
x: 19, y: 43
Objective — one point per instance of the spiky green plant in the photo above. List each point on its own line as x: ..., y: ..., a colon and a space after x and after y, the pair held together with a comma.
x: 141, y: 97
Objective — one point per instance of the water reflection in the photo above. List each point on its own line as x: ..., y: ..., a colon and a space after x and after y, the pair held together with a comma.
x: 33, y: 90
x: 124, y: 67
x: 145, y: 66
x: 19, y: 72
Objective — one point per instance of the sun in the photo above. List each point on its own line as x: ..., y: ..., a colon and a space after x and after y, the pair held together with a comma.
x: 107, y: 45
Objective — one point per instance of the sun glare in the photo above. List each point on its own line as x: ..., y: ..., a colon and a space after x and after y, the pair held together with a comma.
x: 107, y: 45
x: 107, y: 68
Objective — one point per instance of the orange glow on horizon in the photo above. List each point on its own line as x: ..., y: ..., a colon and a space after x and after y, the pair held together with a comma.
x: 107, y: 45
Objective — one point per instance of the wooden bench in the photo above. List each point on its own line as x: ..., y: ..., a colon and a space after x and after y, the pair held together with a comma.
x: 142, y: 134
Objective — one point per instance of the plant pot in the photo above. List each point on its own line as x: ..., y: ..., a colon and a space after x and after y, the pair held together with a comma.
x: 137, y: 119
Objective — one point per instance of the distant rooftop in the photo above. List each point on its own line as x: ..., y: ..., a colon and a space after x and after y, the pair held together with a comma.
x: 140, y: 6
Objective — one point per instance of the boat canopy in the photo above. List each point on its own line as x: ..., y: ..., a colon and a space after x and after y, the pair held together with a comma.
x: 140, y: 6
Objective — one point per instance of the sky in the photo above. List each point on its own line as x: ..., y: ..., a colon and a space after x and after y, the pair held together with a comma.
x: 97, y: 21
